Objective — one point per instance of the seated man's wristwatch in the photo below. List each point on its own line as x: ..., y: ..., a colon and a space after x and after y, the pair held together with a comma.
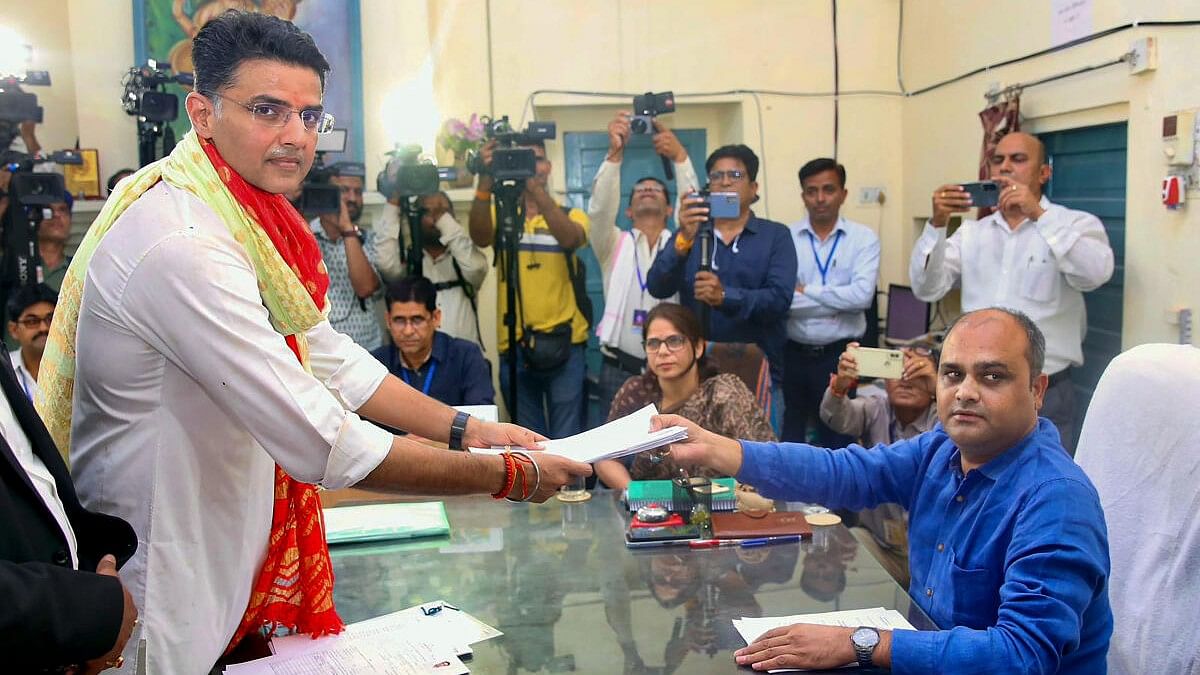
x: 865, y: 640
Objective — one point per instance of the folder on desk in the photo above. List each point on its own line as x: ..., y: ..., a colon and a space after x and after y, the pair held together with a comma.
x: 639, y: 493
x: 742, y: 526
x: 377, y: 522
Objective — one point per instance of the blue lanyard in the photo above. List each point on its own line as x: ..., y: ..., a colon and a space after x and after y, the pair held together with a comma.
x: 428, y: 377
x: 812, y: 241
x: 636, y: 265
x: 24, y: 384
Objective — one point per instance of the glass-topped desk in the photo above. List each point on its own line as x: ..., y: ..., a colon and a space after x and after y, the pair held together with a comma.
x: 558, y: 580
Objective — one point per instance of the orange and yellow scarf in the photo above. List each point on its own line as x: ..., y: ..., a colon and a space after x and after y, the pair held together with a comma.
x: 294, y: 589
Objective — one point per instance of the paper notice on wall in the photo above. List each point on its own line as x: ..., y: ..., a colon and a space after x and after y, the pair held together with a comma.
x: 1070, y: 20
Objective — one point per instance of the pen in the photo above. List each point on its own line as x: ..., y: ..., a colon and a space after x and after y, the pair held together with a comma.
x: 713, y: 543
x: 752, y: 543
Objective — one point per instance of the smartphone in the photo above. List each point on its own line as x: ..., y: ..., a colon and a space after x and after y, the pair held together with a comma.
x: 723, y: 205
x: 874, y: 362
x: 984, y: 193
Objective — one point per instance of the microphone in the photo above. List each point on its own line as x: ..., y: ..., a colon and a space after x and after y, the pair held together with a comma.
x: 705, y: 237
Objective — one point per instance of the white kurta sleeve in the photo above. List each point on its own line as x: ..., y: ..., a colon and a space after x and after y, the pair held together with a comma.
x: 935, y: 264
x: 195, y: 299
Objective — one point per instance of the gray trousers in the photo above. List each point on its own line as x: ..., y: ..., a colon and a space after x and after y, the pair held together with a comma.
x: 1058, y: 406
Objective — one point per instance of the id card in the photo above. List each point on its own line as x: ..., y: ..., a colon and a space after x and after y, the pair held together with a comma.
x: 639, y: 320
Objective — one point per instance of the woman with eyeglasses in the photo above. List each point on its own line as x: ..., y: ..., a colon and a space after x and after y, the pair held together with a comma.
x: 678, y: 380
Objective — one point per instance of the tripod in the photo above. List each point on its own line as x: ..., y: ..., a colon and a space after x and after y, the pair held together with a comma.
x: 148, y: 134
x: 21, y: 261
x: 704, y: 237
x: 510, y: 217
x: 411, y: 206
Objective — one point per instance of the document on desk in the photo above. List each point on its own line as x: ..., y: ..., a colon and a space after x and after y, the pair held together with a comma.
x: 375, y: 522
x: 876, y: 617
x: 408, y: 642
x: 626, y: 436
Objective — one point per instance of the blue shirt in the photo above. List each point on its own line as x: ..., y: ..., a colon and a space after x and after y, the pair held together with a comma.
x: 758, y: 272
x: 839, y: 276
x: 1011, y: 560
x: 461, y: 376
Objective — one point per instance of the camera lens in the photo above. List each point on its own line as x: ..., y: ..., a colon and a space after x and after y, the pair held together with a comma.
x: 638, y: 125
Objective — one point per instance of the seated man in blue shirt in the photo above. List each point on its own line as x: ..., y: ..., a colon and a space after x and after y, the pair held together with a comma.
x: 1007, y: 542
x: 446, y: 368
x: 748, y: 288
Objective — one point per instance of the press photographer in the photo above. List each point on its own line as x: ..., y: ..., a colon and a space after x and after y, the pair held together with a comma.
x: 20, y: 113
x: 549, y: 324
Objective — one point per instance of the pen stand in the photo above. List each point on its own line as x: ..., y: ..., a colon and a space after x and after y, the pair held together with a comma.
x: 692, y: 498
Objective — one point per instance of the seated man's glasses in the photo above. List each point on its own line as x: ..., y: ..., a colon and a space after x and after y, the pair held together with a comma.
x: 732, y: 175
x: 674, y: 343
x: 417, y: 322
x: 278, y: 114
x: 31, y: 322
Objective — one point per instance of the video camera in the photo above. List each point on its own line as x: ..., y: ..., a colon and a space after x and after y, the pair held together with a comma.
x: 407, y: 175
x: 144, y: 95
x: 318, y: 196
x: 648, y: 106
x: 508, y: 161
x: 17, y: 105
x: 36, y: 189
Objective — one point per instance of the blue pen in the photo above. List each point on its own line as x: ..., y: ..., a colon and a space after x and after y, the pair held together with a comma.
x: 753, y: 543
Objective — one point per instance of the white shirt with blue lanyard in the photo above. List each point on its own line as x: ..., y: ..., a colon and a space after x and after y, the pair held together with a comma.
x: 28, y: 382
x: 839, y: 276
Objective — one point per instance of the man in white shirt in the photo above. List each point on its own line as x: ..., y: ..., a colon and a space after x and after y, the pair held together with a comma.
x: 208, y: 392
x: 30, y: 310
x: 626, y: 256
x: 837, y: 264
x: 349, y: 254
x: 455, y: 265
x: 1030, y: 254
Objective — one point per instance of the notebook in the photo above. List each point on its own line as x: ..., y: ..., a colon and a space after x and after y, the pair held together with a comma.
x: 662, y: 492
x: 376, y: 522
x: 742, y: 526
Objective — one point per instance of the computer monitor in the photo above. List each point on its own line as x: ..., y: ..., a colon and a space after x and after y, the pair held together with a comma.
x: 907, y: 317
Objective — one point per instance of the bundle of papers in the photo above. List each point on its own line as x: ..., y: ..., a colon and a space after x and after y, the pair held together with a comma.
x: 626, y: 436
x: 876, y: 617
x: 375, y: 522
x: 408, y: 642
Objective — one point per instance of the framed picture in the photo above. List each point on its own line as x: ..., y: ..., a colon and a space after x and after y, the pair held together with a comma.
x: 163, y: 31
x: 84, y: 179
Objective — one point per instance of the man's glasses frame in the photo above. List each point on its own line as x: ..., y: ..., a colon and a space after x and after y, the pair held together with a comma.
x: 278, y: 114
x: 32, y: 322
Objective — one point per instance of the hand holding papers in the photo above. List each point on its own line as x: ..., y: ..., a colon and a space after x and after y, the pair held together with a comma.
x: 627, y: 436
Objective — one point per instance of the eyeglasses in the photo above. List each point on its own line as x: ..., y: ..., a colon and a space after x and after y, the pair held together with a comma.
x: 278, y: 114
x: 31, y: 322
x: 733, y: 175
x: 417, y: 322
x: 674, y: 343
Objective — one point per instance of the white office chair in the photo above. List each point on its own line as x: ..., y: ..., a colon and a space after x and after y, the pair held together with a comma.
x: 1140, y: 445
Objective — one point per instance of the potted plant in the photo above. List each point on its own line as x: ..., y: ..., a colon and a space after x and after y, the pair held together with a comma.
x: 459, y: 138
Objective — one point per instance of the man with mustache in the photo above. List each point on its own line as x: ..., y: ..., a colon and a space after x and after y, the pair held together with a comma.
x: 881, y: 415
x: 194, y: 376
x: 1030, y: 254
x: 350, y: 259
x: 1007, y: 540
x: 30, y: 310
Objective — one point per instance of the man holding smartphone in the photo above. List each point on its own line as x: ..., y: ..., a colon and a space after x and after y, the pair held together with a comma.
x: 746, y: 281
x: 1030, y: 254
x: 837, y: 264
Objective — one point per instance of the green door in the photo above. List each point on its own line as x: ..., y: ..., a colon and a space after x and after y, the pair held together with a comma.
x: 1089, y: 175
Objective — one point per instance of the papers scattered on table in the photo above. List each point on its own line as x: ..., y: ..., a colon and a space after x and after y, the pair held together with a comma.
x: 375, y: 522
x: 626, y: 436
x: 876, y: 617
x: 407, y: 642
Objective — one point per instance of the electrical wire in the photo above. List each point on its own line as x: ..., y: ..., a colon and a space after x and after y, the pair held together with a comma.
x: 899, y: 44
x: 836, y: 81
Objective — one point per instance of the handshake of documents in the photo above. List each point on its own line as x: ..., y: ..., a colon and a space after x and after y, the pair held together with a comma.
x: 626, y: 436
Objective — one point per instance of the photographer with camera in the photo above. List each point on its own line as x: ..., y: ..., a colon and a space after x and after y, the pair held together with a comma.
x: 626, y: 257
x: 450, y: 260
x: 52, y: 237
x: 744, y: 268
x: 1030, y: 254
x: 551, y: 328
x: 349, y: 255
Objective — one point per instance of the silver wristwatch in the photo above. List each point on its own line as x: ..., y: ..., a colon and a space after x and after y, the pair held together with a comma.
x: 865, y: 640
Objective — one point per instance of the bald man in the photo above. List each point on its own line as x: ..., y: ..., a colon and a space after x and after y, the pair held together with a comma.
x: 1030, y: 254
x: 1007, y: 541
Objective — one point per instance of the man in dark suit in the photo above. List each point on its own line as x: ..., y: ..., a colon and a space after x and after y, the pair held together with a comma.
x: 59, y: 616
